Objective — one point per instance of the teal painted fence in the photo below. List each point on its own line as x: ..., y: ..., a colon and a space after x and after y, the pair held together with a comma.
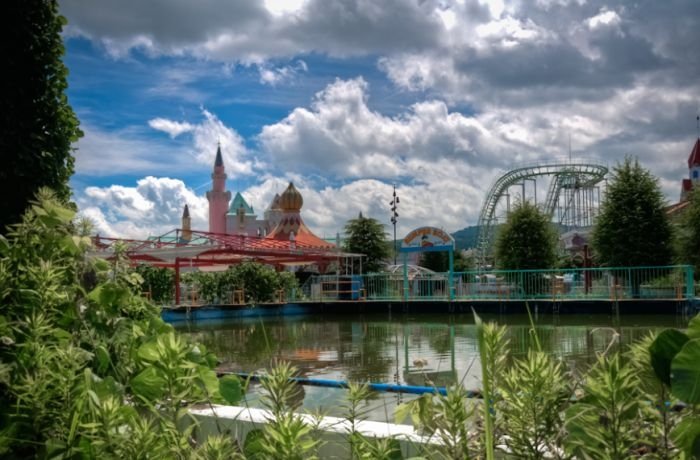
x: 668, y: 282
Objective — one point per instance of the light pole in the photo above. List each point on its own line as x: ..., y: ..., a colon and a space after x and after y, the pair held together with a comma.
x: 394, y: 216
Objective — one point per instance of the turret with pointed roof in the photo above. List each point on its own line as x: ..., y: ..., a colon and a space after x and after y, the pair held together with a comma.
x: 218, y: 196
x: 186, y: 225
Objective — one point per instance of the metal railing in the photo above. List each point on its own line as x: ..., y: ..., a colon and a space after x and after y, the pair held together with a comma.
x: 618, y: 283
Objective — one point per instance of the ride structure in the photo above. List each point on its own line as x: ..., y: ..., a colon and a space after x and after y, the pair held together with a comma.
x: 572, y: 199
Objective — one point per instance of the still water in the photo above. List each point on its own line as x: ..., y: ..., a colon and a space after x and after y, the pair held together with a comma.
x: 413, y: 350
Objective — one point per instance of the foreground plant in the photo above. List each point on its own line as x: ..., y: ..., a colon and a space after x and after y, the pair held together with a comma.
x: 87, y: 367
x: 534, y: 393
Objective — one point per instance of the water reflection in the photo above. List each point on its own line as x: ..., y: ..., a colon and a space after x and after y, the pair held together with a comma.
x: 419, y: 350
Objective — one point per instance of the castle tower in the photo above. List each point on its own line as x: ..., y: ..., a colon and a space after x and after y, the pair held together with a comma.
x: 693, y: 179
x: 218, y: 196
x: 273, y: 214
x: 186, y: 225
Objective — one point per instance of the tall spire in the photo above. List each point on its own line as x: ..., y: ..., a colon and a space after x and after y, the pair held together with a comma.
x: 219, y: 161
x: 218, y: 196
x: 186, y: 225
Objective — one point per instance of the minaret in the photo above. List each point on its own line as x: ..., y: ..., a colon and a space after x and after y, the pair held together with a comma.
x: 186, y: 225
x: 218, y: 197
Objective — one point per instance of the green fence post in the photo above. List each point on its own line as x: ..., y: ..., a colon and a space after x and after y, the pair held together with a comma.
x: 452, y: 269
x: 689, y: 282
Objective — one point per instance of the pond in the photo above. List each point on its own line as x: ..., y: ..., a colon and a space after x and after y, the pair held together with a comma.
x: 404, y: 349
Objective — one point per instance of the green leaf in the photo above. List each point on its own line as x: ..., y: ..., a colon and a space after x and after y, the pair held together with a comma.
x: 694, y: 328
x: 663, y: 349
x: 209, y: 379
x: 101, y: 265
x: 62, y: 335
x: 103, y: 359
x: 230, y: 389
x: 253, y: 444
x: 685, y: 373
x: 149, y: 351
x: 68, y: 244
x: 149, y: 384
x: 686, y: 435
x: 107, y: 387
x: 95, y: 294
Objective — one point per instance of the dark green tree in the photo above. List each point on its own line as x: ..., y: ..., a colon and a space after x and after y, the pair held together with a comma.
x: 632, y: 228
x: 38, y: 124
x: 527, y: 240
x: 158, y: 282
x: 440, y: 261
x: 366, y: 235
x: 688, y: 233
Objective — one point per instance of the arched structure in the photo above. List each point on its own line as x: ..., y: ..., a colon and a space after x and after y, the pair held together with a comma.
x: 570, y: 198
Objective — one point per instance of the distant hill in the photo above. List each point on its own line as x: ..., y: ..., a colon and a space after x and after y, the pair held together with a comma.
x: 466, y: 238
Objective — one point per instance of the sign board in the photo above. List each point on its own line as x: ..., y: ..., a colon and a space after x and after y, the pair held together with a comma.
x: 427, y: 239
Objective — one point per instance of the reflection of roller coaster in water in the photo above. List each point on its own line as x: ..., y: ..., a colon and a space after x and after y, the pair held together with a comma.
x: 572, y: 199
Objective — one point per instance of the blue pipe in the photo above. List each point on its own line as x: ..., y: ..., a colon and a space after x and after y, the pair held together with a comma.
x: 383, y: 387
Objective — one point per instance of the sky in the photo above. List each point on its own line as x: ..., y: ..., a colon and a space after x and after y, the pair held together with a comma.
x: 348, y: 97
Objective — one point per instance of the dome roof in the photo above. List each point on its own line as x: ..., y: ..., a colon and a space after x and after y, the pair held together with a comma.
x: 291, y: 199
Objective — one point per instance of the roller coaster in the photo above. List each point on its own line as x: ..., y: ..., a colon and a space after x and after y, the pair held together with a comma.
x: 572, y: 199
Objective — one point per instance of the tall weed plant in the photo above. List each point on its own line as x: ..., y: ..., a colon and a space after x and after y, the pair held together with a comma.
x: 87, y: 367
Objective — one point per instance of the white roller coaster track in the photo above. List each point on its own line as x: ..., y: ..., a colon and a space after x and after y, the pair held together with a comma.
x: 564, y: 175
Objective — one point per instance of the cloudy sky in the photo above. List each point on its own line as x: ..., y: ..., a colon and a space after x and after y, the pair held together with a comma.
x: 347, y: 97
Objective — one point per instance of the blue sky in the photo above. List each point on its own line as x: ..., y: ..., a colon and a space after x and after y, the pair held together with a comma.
x: 347, y: 97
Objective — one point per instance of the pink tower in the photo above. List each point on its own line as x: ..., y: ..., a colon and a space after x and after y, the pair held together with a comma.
x: 218, y: 196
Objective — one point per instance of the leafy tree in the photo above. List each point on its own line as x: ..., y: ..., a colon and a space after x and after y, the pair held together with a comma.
x: 440, y: 261
x: 38, y: 124
x: 259, y: 283
x: 688, y: 233
x: 159, y: 282
x: 366, y: 235
x: 632, y: 228
x: 527, y: 240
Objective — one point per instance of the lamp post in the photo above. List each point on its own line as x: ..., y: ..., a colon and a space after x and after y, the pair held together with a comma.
x: 394, y: 216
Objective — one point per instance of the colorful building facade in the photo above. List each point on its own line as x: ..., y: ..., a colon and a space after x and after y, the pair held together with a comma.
x: 281, y: 220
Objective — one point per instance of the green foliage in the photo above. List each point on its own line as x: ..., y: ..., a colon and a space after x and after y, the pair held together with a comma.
x: 440, y: 261
x: 685, y: 373
x: 363, y: 447
x: 260, y: 283
x: 527, y: 240
x: 604, y: 423
x: 89, y: 373
x: 492, y: 344
x: 159, y: 282
x: 39, y: 125
x: 663, y: 350
x: 366, y: 235
x: 534, y: 392
x: 447, y: 417
x: 688, y: 232
x: 286, y: 435
x: 632, y: 228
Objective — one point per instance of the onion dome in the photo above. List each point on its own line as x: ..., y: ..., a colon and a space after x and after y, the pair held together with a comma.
x: 291, y: 199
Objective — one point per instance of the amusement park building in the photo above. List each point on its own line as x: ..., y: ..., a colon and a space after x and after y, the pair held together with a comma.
x: 281, y: 220
x: 693, y: 171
